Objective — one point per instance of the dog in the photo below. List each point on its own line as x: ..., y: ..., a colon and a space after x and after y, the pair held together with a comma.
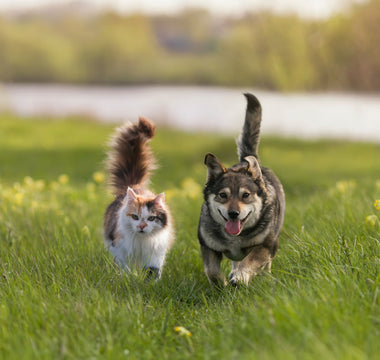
x: 243, y: 210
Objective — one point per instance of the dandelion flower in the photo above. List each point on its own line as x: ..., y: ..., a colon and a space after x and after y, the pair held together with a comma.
x: 377, y: 204
x: 18, y: 197
x: 171, y: 193
x: 63, y: 179
x: 182, y: 331
x: 191, y: 187
x: 345, y: 186
x: 39, y: 184
x: 98, y: 177
x: 85, y: 230
x: 54, y: 185
x: 371, y: 219
x: 28, y: 181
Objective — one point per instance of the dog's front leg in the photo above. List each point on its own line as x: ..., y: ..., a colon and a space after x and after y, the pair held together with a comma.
x: 211, y: 263
x: 257, y: 260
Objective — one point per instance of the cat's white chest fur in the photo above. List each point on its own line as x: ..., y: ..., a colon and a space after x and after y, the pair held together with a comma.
x: 142, y: 250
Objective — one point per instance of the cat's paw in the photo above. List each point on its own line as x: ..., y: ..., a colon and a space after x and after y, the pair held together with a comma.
x: 152, y: 273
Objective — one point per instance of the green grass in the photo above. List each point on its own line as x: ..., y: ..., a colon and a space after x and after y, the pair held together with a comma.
x: 61, y: 297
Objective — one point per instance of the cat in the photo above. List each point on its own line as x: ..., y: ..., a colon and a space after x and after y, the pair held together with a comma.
x: 138, y: 227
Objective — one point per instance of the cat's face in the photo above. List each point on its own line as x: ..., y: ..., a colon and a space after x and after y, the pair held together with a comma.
x: 144, y: 215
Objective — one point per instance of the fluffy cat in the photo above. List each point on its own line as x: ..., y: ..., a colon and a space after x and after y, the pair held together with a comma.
x: 138, y: 228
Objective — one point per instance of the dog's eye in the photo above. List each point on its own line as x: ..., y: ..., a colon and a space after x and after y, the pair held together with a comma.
x: 151, y: 218
x: 245, y: 195
x: 223, y: 195
x: 134, y: 217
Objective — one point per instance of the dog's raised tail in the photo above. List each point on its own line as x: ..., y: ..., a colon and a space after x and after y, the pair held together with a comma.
x: 130, y: 160
x: 248, y: 142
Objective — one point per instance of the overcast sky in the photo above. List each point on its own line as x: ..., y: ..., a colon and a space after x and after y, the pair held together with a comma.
x: 309, y: 8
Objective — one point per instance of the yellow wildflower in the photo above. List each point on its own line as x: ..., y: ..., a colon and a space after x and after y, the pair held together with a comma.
x: 345, y: 186
x: 371, y: 219
x: 85, y: 230
x: 377, y: 204
x: 98, y: 177
x: 17, y: 186
x: 63, y: 179
x: 171, y: 193
x: 54, y: 185
x: 191, y: 187
x: 39, y: 184
x: 182, y: 331
x: 18, y: 197
x: 7, y: 194
x: 28, y: 181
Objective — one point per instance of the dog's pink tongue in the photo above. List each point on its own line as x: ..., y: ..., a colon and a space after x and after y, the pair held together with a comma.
x: 233, y: 227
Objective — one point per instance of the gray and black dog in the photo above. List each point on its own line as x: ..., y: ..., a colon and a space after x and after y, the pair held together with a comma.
x: 243, y: 210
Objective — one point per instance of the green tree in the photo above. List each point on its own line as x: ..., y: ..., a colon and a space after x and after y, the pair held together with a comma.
x: 120, y: 50
x: 269, y: 51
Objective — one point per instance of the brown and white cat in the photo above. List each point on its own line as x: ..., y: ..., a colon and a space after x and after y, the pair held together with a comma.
x: 138, y: 228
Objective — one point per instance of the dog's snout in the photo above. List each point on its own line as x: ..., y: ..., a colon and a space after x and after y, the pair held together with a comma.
x: 233, y: 214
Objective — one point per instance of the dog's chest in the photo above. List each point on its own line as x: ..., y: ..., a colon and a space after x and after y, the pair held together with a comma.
x: 231, y: 248
x: 237, y: 254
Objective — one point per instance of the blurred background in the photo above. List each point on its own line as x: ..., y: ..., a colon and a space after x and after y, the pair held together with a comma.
x: 315, y: 65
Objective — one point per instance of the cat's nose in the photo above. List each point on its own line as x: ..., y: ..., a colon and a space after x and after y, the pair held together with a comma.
x: 143, y: 225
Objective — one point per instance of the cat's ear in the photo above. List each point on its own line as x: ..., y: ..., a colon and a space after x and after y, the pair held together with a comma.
x: 131, y: 195
x: 160, y: 200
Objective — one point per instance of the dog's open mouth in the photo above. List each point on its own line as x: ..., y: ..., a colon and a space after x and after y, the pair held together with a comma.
x: 234, y: 227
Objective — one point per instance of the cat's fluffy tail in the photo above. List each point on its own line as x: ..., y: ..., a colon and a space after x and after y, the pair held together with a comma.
x: 130, y: 160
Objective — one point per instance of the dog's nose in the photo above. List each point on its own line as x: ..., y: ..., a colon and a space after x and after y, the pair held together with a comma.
x: 233, y: 214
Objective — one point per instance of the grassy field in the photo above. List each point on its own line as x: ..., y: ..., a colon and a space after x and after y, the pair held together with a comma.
x: 61, y: 297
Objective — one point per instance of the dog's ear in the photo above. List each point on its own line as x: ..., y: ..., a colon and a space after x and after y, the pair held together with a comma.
x: 214, y: 166
x: 253, y: 167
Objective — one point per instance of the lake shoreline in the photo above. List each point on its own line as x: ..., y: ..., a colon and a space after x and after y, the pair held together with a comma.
x: 332, y: 115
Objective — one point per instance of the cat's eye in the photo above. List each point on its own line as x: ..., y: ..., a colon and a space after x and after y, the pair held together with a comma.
x: 223, y: 195
x: 134, y: 217
x: 245, y: 195
x: 151, y: 218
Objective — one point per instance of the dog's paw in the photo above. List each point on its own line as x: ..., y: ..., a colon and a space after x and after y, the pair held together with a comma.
x: 237, y: 278
x: 215, y: 278
x: 219, y: 283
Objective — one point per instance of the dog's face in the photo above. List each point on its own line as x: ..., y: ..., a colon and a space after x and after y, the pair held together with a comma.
x: 236, y: 195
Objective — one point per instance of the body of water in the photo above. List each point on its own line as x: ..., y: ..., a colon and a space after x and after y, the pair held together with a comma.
x: 192, y: 108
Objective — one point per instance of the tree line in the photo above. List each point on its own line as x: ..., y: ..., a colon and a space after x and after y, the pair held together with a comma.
x: 260, y: 50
